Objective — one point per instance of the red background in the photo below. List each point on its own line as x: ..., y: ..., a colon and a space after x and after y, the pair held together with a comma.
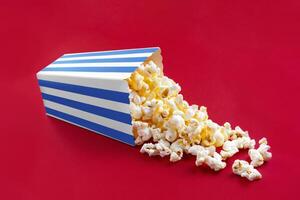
x: 239, y: 59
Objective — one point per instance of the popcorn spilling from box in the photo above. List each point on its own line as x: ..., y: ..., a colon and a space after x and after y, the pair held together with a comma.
x: 166, y: 125
x: 124, y: 95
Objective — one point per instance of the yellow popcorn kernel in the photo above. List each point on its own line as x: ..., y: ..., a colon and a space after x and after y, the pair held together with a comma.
x: 206, y: 136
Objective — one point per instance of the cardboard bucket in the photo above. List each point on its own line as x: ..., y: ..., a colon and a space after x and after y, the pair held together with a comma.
x: 89, y: 89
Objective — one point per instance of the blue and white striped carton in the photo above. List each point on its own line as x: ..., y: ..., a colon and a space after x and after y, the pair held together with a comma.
x: 89, y: 89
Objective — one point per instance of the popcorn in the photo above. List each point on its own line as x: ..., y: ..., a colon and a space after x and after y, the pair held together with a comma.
x: 136, y: 111
x: 209, y: 156
x: 244, y: 169
x: 193, y: 131
x: 190, y: 112
x: 157, y: 134
x: 150, y: 69
x: 170, y: 135
x: 240, y: 133
x: 245, y: 143
x: 176, y: 122
x: 232, y: 147
x: 161, y: 148
x: 177, y: 150
x: 219, y: 138
x: 150, y: 149
x: 147, y: 112
x: 136, y: 99
x: 195, y: 149
x: 215, y: 162
x: 201, y: 114
x: 143, y: 132
x: 264, y: 148
x: 229, y: 149
x: 258, y: 156
x: 159, y: 112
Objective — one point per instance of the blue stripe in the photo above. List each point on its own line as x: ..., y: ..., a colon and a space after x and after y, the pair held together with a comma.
x: 104, y: 112
x: 91, y: 69
x: 124, y: 137
x: 104, y: 60
x: 89, y: 91
x: 116, y: 52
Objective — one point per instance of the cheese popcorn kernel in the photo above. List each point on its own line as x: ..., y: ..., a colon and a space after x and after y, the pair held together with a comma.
x: 166, y: 125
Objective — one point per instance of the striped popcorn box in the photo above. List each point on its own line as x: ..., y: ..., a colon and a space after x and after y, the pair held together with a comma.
x: 90, y: 89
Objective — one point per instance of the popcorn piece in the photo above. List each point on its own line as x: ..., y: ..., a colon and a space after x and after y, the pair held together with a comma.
x: 256, y: 157
x: 150, y: 69
x: 150, y: 149
x: 136, y: 111
x: 261, y: 154
x: 209, y: 156
x: 244, y: 169
x: 219, y: 138
x: 157, y: 134
x: 135, y: 98
x: 201, y: 114
x: 143, y: 132
x: 232, y: 147
x: 146, y: 112
x: 264, y: 149
x: 245, y: 142
x: 190, y: 112
x: 176, y: 122
x: 215, y: 162
x: 229, y: 149
x: 170, y: 135
x: 163, y: 147
x: 177, y: 151
x: 240, y: 132
x: 193, y: 131
x: 195, y: 149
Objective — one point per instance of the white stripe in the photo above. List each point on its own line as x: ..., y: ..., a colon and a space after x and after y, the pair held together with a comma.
x: 116, y: 50
x: 112, y: 105
x: 98, y: 64
x: 126, y: 128
x: 86, y: 128
x: 114, y: 82
x: 102, y: 75
x: 107, y: 56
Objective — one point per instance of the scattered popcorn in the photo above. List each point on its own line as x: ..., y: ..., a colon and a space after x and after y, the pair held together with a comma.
x: 162, y: 116
x: 244, y: 169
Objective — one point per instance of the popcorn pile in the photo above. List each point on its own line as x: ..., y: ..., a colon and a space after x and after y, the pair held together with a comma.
x: 173, y: 127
